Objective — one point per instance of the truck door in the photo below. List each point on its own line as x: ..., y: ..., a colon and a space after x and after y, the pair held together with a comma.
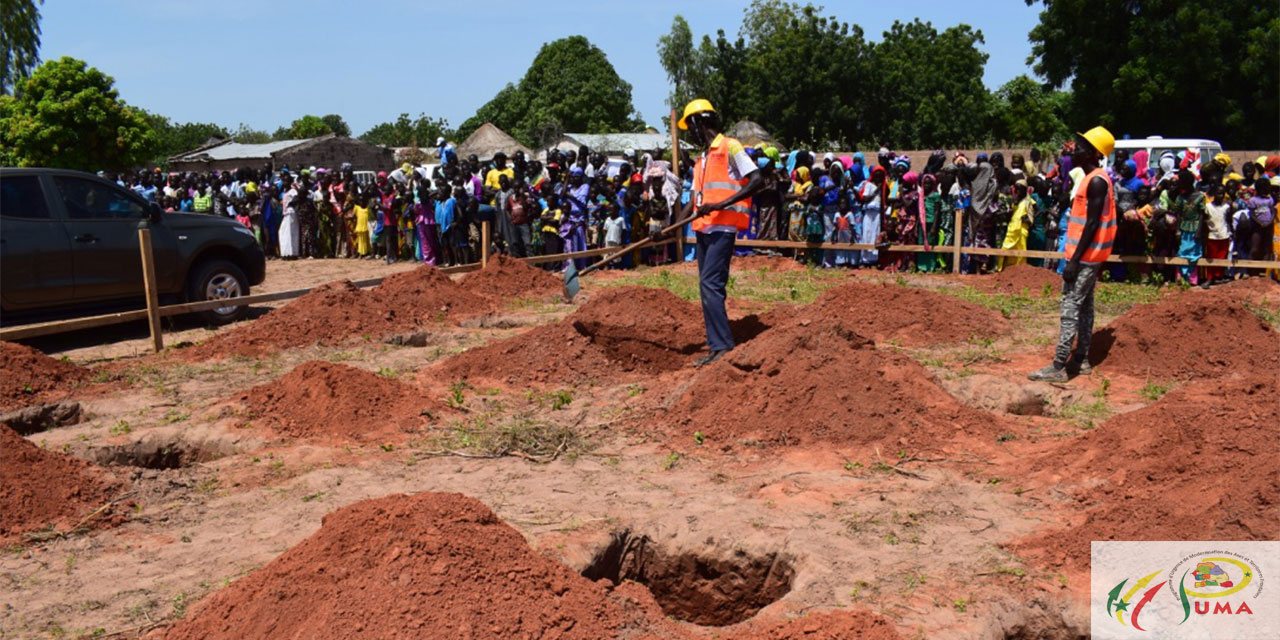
x: 35, y: 250
x: 102, y: 222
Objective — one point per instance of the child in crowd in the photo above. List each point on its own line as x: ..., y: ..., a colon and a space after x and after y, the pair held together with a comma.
x: 1218, y: 223
x: 1015, y: 236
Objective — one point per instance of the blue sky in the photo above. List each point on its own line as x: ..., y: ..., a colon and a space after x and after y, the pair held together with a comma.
x: 265, y: 63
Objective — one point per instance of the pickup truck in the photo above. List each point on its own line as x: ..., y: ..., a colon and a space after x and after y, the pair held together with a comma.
x: 69, y: 243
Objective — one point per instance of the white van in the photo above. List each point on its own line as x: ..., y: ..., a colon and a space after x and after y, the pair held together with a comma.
x: 1156, y: 145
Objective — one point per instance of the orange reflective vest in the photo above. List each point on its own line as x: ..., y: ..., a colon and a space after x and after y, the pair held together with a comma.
x: 1100, y: 249
x: 712, y: 182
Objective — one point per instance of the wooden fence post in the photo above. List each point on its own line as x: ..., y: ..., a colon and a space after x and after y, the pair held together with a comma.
x: 484, y: 244
x: 675, y: 169
x: 955, y: 249
x: 149, y: 284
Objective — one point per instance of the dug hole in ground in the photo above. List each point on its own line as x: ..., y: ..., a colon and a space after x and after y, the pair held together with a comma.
x: 470, y: 457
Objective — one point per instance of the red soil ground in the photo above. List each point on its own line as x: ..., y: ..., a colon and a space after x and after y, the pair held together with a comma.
x: 506, y: 279
x: 339, y: 312
x: 617, y: 334
x: 1020, y: 279
x: 29, y: 377
x: 810, y: 382
x: 766, y: 263
x: 40, y: 488
x: 442, y: 565
x: 328, y: 401
x: 910, y: 316
x: 1194, y: 334
x: 1200, y: 462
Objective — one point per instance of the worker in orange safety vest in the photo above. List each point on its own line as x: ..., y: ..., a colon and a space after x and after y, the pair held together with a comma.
x: 1091, y: 232
x: 724, y: 179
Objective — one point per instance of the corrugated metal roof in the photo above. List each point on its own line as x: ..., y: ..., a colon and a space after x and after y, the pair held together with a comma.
x: 238, y: 150
x: 641, y: 142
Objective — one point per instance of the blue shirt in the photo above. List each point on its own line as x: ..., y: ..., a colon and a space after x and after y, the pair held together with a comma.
x: 445, y: 213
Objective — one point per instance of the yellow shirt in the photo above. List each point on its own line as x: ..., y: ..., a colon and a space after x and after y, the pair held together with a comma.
x: 491, y: 178
x: 362, y: 219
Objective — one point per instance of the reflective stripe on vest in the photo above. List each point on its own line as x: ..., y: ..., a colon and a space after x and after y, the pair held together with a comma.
x: 712, y: 182
x: 1103, y: 240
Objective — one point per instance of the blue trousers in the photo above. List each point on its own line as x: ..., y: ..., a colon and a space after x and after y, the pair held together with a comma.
x: 714, y: 252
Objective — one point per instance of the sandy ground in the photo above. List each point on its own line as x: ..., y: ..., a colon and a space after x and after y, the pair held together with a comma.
x: 920, y: 541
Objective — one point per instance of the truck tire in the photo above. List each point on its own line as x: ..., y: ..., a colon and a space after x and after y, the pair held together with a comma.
x: 218, y: 280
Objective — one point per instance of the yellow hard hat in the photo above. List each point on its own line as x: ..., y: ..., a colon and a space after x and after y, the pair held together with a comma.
x: 1100, y: 139
x: 696, y: 106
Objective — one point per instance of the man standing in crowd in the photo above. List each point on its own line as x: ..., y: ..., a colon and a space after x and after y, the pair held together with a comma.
x: 1091, y: 231
x: 724, y: 180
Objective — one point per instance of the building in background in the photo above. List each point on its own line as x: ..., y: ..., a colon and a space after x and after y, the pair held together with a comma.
x: 325, y: 151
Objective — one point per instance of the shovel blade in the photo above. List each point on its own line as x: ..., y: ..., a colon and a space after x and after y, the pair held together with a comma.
x: 571, y: 283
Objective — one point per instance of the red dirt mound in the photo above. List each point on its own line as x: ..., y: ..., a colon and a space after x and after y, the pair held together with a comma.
x: 442, y: 565
x: 330, y: 314
x: 323, y: 400
x: 1202, y: 459
x: 431, y: 565
x: 507, y: 278
x: 40, y: 488
x: 29, y: 377
x: 425, y: 295
x: 1195, y: 334
x: 1021, y: 279
x: 766, y: 263
x: 339, y: 312
x: 829, y: 625
x: 617, y: 334
x: 910, y: 316
x: 808, y: 382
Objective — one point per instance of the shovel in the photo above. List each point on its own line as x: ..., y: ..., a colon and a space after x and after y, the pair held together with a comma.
x: 571, y: 273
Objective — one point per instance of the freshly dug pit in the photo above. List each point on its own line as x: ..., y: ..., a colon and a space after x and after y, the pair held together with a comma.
x: 1202, y: 458
x: 703, y: 590
x: 430, y: 565
x: 339, y: 312
x: 908, y: 316
x: 34, y: 419
x: 162, y: 451
x: 1021, y: 279
x: 41, y: 489
x: 325, y: 400
x: 619, y: 334
x: 1188, y: 335
x: 506, y: 279
x: 29, y: 377
x: 821, y: 382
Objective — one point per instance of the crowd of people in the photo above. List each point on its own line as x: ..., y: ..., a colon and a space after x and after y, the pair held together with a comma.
x: 1179, y: 206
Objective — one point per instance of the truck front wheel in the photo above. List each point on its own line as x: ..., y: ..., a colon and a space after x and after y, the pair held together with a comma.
x: 218, y: 280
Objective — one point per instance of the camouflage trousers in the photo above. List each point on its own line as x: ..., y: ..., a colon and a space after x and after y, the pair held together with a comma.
x: 1077, y: 314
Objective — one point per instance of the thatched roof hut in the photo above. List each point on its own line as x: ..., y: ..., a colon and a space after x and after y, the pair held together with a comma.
x: 750, y: 133
x: 489, y: 140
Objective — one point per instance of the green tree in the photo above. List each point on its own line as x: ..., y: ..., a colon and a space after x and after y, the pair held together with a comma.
x: 248, y: 135
x: 69, y: 115
x: 1025, y: 112
x: 570, y: 86
x: 19, y: 40
x: 405, y: 132
x: 307, y: 126
x: 927, y: 88
x: 819, y: 104
x: 174, y: 138
x: 680, y: 60
x: 1166, y: 67
x: 337, y: 124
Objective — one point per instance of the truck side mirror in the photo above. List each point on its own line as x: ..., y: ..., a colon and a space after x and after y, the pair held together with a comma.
x: 154, y: 213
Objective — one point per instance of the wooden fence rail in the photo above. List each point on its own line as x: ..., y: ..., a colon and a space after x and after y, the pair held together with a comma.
x: 154, y: 311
